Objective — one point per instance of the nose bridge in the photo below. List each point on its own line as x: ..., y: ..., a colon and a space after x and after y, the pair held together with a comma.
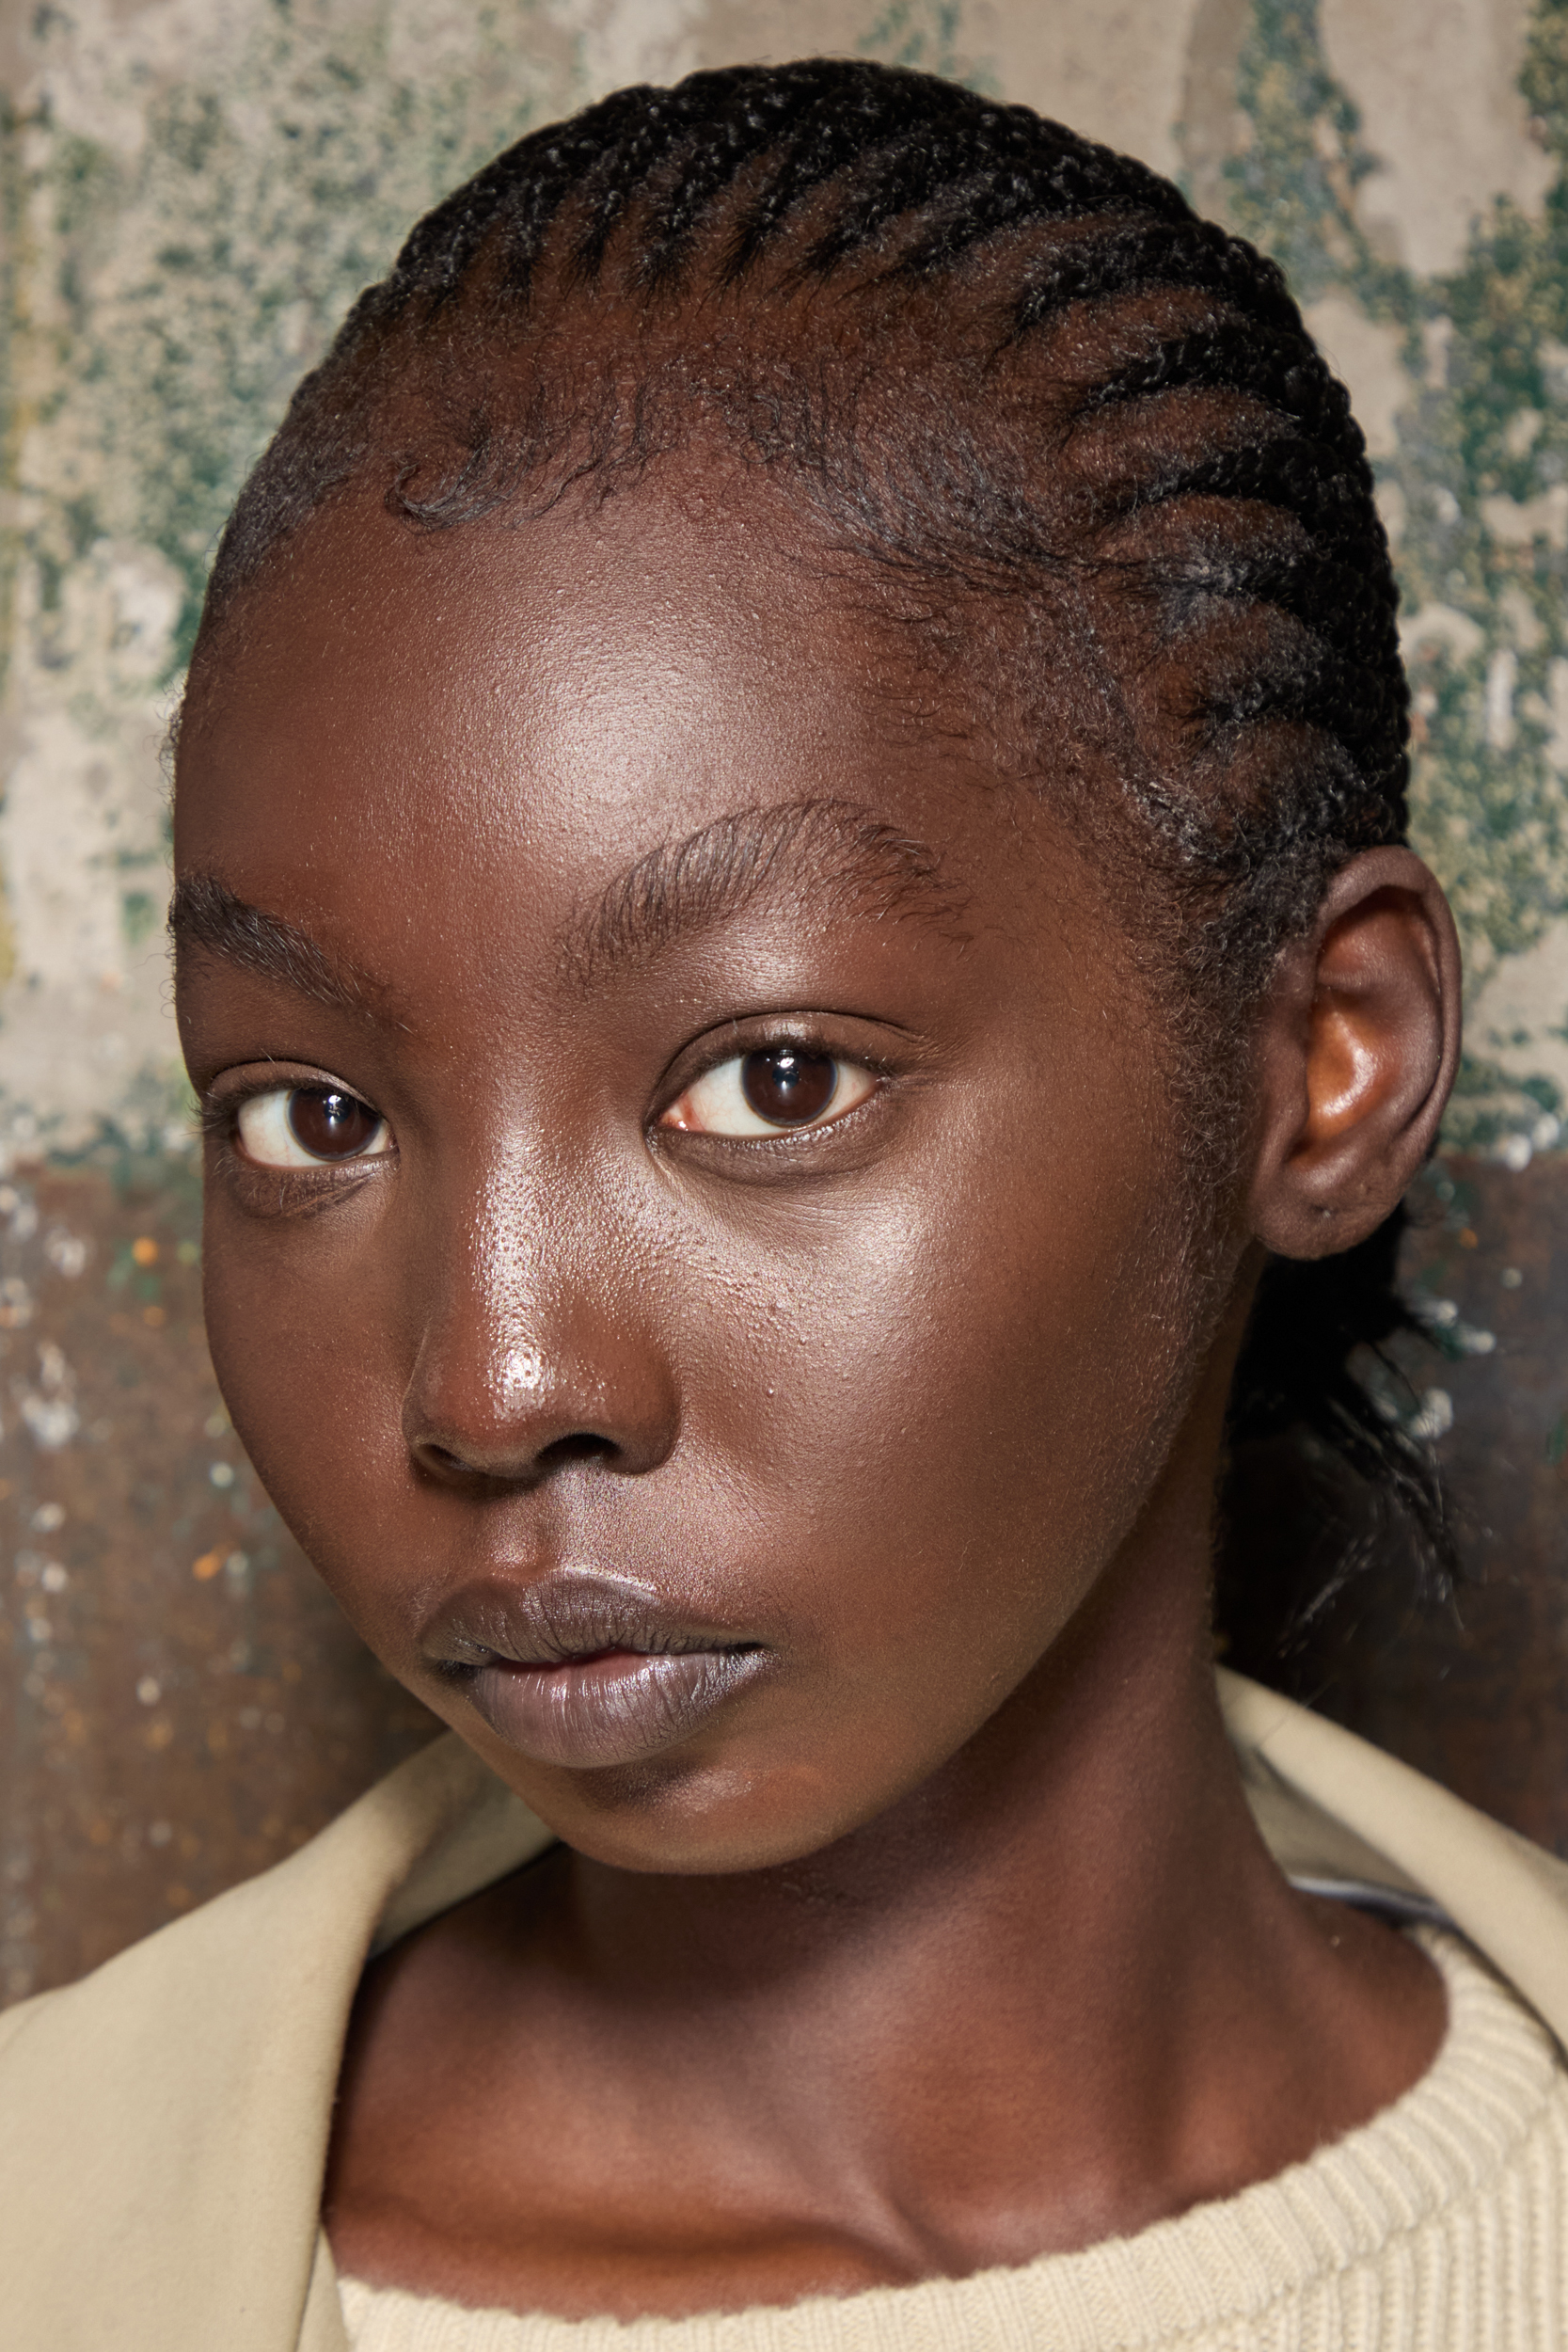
x: 536, y: 1332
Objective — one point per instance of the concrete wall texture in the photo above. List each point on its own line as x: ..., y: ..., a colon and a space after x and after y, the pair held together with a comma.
x: 192, y: 191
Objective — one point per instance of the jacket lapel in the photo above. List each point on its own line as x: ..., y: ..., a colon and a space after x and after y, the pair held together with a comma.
x: 164, y: 2123
x: 1323, y: 1797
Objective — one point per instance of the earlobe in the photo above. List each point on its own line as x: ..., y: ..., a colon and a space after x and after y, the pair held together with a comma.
x: 1357, y: 1051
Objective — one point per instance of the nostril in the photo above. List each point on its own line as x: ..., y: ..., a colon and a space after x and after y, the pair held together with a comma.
x: 440, y: 1459
x: 583, y: 1445
x: 508, y: 1465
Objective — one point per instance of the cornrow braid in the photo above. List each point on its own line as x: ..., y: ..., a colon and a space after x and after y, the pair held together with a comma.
x: 1001, y: 363
x: 1191, y: 253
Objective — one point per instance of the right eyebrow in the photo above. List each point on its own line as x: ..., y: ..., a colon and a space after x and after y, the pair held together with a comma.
x: 206, y: 915
x: 841, y: 854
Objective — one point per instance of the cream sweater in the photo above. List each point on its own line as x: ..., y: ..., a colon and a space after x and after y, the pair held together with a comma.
x: 1441, y: 2226
x: 164, y: 2123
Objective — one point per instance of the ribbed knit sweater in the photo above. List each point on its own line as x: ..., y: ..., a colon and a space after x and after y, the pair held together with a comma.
x: 1437, y: 2227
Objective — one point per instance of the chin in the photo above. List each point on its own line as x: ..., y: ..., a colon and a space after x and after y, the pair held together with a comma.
x: 690, y: 1820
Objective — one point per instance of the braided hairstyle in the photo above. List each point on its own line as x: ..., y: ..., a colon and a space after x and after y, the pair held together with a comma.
x: 1014, y: 383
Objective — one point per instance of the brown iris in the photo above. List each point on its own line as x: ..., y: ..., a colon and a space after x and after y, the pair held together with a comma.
x: 787, y: 1086
x: 331, y: 1125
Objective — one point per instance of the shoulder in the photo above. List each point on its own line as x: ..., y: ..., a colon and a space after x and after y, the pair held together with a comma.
x: 1337, y: 1811
x: 189, y: 2081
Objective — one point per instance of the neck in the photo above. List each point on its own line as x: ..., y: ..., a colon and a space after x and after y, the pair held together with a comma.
x: 1049, y: 1938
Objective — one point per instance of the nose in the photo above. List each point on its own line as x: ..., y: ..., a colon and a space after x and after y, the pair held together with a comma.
x: 531, y: 1358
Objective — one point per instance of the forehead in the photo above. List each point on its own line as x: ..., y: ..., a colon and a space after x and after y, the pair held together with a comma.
x: 593, y: 681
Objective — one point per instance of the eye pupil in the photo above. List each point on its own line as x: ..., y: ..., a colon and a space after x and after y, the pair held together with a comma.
x: 787, y: 1086
x: 329, y: 1123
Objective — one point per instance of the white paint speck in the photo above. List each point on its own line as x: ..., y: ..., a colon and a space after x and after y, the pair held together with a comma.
x: 66, y: 1252
x: 1502, y: 676
x: 23, y: 1222
x: 1435, y: 1418
x: 52, y: 1421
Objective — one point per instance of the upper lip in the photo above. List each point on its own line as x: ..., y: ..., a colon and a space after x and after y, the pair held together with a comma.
x: 560, y: 1618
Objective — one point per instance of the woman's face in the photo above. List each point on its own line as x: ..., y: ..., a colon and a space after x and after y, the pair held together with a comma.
x: 695, y: 1243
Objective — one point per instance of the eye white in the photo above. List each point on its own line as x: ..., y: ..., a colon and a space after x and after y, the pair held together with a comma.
x: 268, y: 1137
x: 716, y: 1105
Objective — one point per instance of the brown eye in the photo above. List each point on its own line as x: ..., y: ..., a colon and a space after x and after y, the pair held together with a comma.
x: 330, y: 1125
x: 788, y: 1087
x: 302, y: 1126
x: 771, y: 1091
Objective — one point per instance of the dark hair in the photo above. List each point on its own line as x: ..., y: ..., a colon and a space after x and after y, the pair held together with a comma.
x: 1006, y: 371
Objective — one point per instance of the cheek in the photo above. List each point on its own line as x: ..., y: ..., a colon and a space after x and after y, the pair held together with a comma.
x: 942, y: 1430
x: 306, y: 1343
x: 960, y: 1426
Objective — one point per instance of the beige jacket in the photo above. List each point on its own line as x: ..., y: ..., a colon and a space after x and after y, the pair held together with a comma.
x: 164, y: 2123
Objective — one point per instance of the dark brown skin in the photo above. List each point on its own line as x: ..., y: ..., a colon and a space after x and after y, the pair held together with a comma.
x: 946, y: 1940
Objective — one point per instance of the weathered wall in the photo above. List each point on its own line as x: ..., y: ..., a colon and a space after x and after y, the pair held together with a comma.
x: 192, y: 191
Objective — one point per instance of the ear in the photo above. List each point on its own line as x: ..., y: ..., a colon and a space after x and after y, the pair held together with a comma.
x: 1357, y: 1051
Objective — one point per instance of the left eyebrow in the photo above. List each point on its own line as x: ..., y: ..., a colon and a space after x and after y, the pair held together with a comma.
x: 205, y: 914
x: 847, y: 858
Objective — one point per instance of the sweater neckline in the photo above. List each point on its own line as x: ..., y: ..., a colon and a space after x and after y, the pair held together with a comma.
x: 1444, y: 2142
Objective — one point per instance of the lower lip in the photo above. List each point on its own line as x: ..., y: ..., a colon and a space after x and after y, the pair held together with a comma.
x: 616, y: 1708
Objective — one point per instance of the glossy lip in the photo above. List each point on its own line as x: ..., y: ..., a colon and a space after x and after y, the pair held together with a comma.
x: 581, y: 1669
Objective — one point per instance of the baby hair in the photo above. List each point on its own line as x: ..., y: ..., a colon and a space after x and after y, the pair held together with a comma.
x: 1079, y: 445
